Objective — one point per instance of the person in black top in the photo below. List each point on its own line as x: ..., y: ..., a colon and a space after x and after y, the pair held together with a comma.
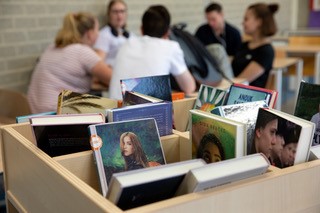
x: 254, y: 59
x: 217, y: 30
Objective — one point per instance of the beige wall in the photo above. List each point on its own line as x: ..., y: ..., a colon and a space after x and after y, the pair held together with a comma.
x: 27, y: 27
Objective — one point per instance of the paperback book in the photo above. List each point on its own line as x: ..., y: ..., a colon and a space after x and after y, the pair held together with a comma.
x: 283, y: 138
x: 161, y: 112
x: 133, y: 98
x: 141, y: 187
x: 215, y: 138
x: 124, y: 146
x: 63, y: 134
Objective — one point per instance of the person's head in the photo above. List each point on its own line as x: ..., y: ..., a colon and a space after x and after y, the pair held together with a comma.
x: 215, y: 16
x: 210, y: 149
x: 259, y: 20
x: 79, y: 27
x: 277, y: 147
x: 290, y: 148
x: 156, y: 22
x: 117, y: 14
x: 130, y: 146
x: 265, y: 132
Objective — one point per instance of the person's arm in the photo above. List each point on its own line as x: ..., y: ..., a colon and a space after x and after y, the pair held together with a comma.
x: 252, y: 72
x: 102, y: 72
x: 186, y: 82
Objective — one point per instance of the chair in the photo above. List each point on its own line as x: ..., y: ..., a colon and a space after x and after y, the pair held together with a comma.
x: 13, y: 104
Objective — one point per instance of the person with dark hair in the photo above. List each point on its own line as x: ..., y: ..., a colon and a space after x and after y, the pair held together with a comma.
x: 152, y: 54
x: 114, y: 34
x: 217, y: 30
x: 253, y: 61
x: 288, y: 153
x: 210, y: 149
x: 277, y: 147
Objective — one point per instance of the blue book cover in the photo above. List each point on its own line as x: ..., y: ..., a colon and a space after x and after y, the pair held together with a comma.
x: 161, y: 112
x: 25, y: 118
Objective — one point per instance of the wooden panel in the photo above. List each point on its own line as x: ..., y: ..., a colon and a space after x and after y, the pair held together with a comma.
x: 181, y: 112
x: 304, y: 40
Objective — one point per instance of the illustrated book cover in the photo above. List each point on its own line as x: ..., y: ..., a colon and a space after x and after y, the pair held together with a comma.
x: 308, y: 106
x: 136, y: 188
x: 245, y: 112
x: 209, y: 98
x: 70, y: 102
x: 161, y: 112
x: 240, y: 93
x: 123, y: 146
x: 215, y: 138
x: 156, y: 86
x: 25, y: 118
x: 224, y: 172
x: 283, y: 138
x: 63, y: 134
x: 133, y: 98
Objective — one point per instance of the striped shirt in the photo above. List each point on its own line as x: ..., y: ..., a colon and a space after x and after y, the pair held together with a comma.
x: 60, y: 68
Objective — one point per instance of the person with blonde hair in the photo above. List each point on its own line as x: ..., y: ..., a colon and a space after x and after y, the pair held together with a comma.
x: 69, y: 63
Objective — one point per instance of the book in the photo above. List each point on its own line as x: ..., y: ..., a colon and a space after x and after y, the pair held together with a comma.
x: 70, y: 102
x: 161, y: 112
x: 136, y: 188
x: 283, y: 138
x: 245, y: 112
x: 308, y: 106
x: 209, y: 98
x: 123, y: 146
x: 240, y: 93
x: 215, y: 138
x: 133, y: 98
x: 156, y: 86
x: 25, y: 118
x: 224, y: 172
x: 63, y: 134
x: 177, y: 96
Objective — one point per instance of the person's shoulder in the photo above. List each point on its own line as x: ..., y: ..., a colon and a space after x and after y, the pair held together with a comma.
x: 231, y: 28
x: 105, y: 29
x: 203, y: 28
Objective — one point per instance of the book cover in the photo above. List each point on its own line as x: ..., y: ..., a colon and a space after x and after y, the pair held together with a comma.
x: 240, y: 93
x: 70, y: 102
x: 133, y: 98
x: 136, y: 188
x: 63, y: 134
x: 161, y: 112
x: 224, y: 172
x: 245, y: 113
x: 155, y: 86
x: 308, y: 106
x: 209, y: 98
x: 125, y: 145
x: 283, y: 138
x: 25, y: 118
x: 215, y: 138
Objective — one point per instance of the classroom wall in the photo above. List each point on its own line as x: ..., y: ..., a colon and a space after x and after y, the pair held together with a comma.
x: 27, y: 27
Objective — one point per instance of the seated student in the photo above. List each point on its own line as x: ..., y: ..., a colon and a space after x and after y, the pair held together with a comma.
x: 151, y: 55
x: 254, y: 59
x: 114, y: 34
x: 217, y: 30
x: 68, y: 64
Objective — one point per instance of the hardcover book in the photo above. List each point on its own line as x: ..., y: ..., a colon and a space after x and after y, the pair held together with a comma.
x: 25, y: 118
x: 220, y: 173
x: 215, y: 138
x: 123, y: 146
x: 155, y: 86
x: 308, y: 106
x: 209, y: 98
x: 283, y: 138
x: 63, y: 134
x: 245, y: 112
x: 70, y: 102
x: 240, y: 93
x: 133, y: 98
x: 161, y: 112
x: 136, y: 188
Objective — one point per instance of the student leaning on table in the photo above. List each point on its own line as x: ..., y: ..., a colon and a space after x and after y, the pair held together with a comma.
x: 253, y: 61
x: 70, y: 63
x: 152, y: 54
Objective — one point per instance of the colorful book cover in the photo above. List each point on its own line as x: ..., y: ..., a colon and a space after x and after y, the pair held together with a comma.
x: 161, y: 112
x: 155, y: 86
x: 209, y: 98
x: 124, y: 146
x: 215, y: 138
x: 308, y: 106
x: 240, y: 93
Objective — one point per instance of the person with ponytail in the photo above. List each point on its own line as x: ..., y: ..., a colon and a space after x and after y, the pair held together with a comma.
x: 253, y: 61
x: 114, y: 34
x: 69, y: 63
